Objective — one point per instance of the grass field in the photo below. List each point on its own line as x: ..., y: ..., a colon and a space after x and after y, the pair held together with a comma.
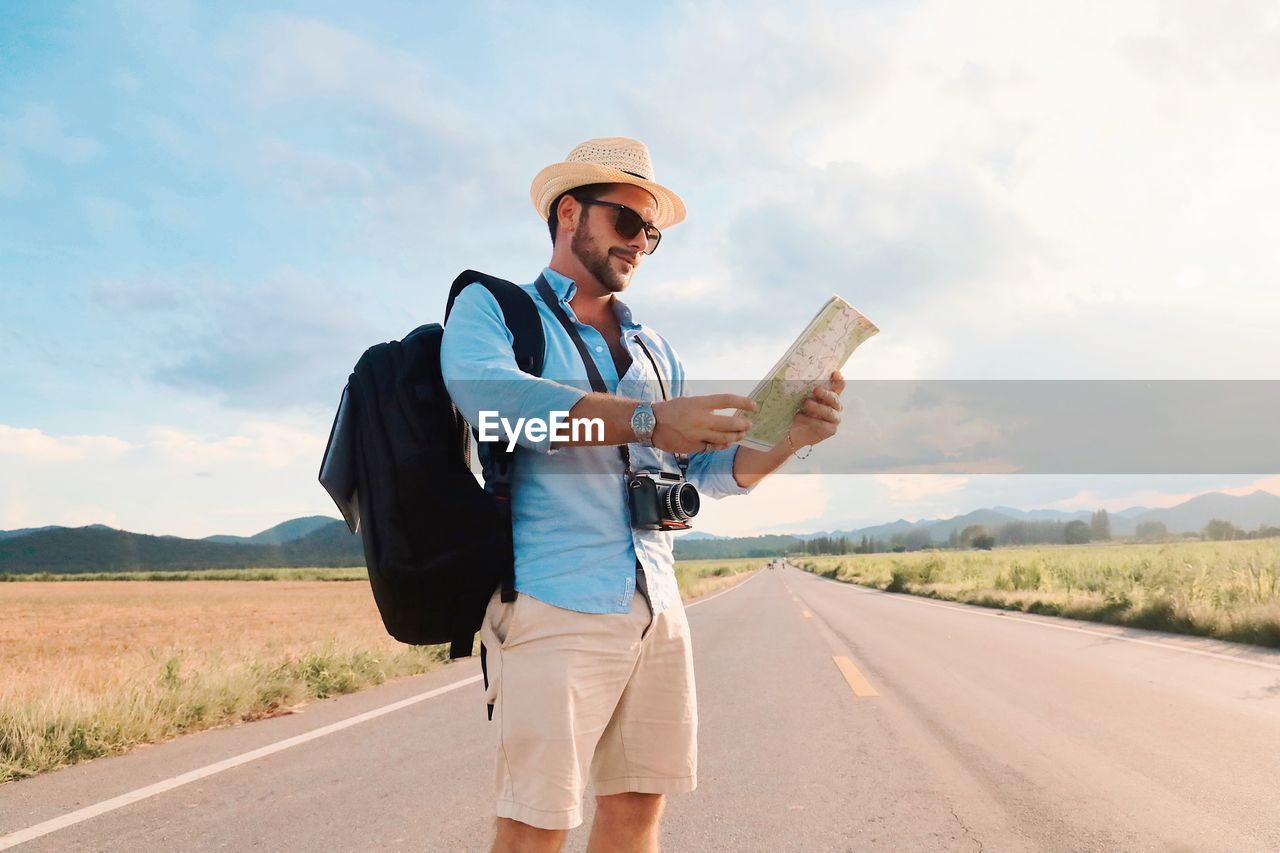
x: 96, y: 667
x: 1227, y: 590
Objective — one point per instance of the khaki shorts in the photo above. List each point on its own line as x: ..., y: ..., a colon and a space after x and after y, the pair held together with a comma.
x: 609, y: 694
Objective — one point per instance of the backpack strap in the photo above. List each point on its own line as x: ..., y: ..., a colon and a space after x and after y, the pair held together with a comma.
x: 593, y: 373
x: 529, y: 345
x: 519, y: 313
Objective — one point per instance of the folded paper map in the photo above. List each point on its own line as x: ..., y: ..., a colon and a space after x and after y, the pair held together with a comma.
x: 824, y: 346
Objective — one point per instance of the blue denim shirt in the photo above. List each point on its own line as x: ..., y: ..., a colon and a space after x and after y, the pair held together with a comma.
x: 575, y: 547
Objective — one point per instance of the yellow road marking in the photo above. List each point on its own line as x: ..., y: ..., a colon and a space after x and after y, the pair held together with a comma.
x: 861, y: 687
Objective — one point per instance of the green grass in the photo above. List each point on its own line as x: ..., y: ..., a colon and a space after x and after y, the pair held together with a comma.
x: 1226, y: 590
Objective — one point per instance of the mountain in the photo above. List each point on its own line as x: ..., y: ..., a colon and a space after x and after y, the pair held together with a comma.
x: 938, y: 529
x: 64, y: 550
x: 322, y: 541
x: 285, y: 531
x: 1247, y: 512
x: 878, y: 531
x: 9, y: 534
x: 1043, y: 514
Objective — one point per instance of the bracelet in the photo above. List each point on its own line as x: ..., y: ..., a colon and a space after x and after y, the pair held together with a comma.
x: 797, y: 452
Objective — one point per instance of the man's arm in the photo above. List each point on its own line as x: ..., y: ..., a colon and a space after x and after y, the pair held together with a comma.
x: 684, y: 424
x: 481, y: 374
x: 817, y: 420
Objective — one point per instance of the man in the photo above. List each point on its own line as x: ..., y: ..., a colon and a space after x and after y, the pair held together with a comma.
x: 587, y: 679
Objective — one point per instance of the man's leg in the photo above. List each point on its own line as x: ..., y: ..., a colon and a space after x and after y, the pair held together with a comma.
x: 626, y: 823
x: 516, y: 837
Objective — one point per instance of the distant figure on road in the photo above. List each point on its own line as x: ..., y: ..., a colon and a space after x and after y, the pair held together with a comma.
x: 586, y: 678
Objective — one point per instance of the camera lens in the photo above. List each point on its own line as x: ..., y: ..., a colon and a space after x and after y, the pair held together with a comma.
x: 683, y: 501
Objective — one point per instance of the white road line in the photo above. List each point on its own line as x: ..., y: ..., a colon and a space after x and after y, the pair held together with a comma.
x: 30, y: 833
x: 80, y: 815
x: 975, y: 610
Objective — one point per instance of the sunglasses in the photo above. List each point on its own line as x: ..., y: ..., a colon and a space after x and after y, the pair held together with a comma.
x: 629, y: 223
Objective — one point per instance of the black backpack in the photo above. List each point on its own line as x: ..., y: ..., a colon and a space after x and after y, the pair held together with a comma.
x: 436, y: 542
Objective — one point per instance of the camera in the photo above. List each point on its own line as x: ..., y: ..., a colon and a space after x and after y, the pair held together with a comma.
x: 661, y: 501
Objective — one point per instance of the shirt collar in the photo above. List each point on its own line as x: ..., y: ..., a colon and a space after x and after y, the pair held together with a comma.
x: 561, y: 284
x: 565, y: 288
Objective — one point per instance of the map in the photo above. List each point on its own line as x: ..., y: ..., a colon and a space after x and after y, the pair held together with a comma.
x: 823, y: 347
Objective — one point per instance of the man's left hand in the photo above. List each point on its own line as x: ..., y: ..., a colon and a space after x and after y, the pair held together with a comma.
x: 819, y: 416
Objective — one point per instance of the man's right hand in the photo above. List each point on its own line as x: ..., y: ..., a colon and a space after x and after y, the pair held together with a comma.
x: 690, y: 424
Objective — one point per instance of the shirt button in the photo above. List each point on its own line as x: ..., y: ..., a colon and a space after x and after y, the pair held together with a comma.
x: 599, y: 349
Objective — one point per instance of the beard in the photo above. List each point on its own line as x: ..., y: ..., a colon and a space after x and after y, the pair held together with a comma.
x: 597, y: 262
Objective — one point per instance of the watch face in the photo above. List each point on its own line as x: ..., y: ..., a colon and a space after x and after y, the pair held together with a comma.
x: 643, y: 421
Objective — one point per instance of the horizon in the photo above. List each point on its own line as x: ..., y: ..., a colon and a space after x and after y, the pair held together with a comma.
x: 827, y: 531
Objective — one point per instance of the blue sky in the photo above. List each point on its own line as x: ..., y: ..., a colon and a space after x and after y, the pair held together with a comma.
x: 207, y: 211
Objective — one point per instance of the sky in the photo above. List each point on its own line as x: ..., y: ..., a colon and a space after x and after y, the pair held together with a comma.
x: 208, y: 211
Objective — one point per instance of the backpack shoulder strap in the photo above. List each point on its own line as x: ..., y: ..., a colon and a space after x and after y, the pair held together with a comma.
x: 519, y: 312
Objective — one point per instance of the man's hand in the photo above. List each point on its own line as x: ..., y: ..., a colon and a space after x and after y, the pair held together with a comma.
x: 690, y: 425
x: 819, y: 416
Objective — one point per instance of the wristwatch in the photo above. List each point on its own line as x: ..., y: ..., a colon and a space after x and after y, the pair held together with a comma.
x: 643, y: 423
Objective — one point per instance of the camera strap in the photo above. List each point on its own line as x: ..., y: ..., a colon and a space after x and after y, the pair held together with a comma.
x: 593, y: 373
x: 682, y: 459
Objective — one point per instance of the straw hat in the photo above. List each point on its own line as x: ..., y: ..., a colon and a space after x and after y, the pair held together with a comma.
x: 610, y: 160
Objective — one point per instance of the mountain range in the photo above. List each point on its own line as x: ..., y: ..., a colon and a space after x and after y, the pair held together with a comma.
x: 1245, y: 511
x: 322, y: 541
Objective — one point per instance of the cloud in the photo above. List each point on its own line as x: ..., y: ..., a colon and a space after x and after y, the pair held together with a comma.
x: 909, y: 488
x: 260, y: 443
x: 303, y: 59
x: 124, y: 80
x: 13, y: 178
x: 894, y: 245
x: 779, y: 503
x: 239, y: 480
x: 34, y: 445
x: 903, y: 237
x: 1191, y: 48
x: 410, y: 166
x: 1266, y: 484
x: 985, y: 167
x: 38, y: 129
x: 111, y: 220
x: 1122, y: 498
x: 289, y: 340
x: 33, y: 133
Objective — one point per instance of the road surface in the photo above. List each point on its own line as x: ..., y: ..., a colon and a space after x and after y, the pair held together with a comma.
x: 833, y: 718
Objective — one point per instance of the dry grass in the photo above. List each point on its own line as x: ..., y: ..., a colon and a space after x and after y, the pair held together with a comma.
x: 263, y: 574
x: 1227, y: 590
x: 703, y: 577
x: 97, y: 667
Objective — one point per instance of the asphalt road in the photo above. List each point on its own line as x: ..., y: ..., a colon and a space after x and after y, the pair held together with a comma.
x: 832, y: 718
